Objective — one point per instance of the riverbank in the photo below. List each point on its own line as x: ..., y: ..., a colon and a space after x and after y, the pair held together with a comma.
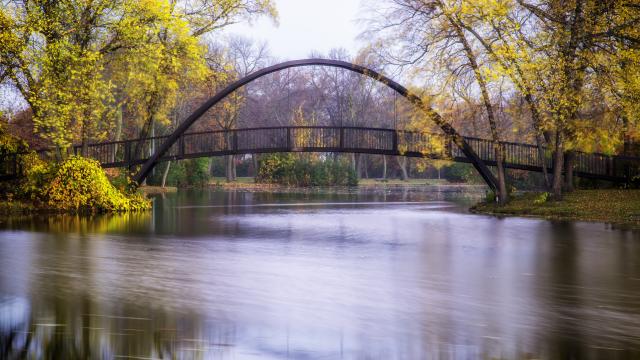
x: 155, y: 190
x: 16, y: 208
x: 613, y: 206
x: 249, y: 183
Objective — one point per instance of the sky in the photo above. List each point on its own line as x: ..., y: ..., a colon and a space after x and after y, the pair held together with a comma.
x: 306, y: 26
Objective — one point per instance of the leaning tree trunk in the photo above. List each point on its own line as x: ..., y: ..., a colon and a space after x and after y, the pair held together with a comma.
x: 254, y: 159
x: 165, y: 174
x: 503, y: 195
x: 402, y: 162
x: 543, y: 161
x: 384, y: 167
x: 558, y: 162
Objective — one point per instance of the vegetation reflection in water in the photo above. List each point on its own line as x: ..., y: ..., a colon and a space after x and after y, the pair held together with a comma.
x: 265, y: 275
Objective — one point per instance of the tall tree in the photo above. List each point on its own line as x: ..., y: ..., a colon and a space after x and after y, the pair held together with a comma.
x: 441, y: 32
x: 75, y: 61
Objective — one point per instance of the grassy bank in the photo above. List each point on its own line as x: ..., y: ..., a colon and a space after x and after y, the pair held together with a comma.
x: 610, y: 206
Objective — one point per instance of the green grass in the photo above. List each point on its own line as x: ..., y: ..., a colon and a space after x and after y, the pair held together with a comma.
x: 611, y: 206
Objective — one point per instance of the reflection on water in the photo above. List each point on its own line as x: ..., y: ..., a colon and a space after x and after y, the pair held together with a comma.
x: 381, y: 275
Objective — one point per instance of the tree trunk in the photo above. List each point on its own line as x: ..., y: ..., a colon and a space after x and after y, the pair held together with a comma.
x: 402, y: 162
x: 355, y: 164
x: 498, y: 148
x: 144, y: 133
x: 558, y: 161
x: 118, y: 132
x: 503, y: 194
x: 543, y: 161
x: 364, y: 160
x: 228, y: 169
x: 152, y: 146
x: 569, y: 162
x: 84, y: 151
x: 165, y: 174
x: 234, y: 168
x: 254, y: 158
x: 384, y: 167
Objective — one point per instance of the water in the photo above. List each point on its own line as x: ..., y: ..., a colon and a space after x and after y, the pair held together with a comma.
x: 373, y: 275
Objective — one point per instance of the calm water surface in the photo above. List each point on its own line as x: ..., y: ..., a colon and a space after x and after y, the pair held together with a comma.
x: 373, y: 275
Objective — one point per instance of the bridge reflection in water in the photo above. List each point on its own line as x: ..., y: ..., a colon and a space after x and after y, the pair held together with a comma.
x: 334, y: 139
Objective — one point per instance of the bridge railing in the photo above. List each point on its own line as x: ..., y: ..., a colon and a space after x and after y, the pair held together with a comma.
x: 333, y: 139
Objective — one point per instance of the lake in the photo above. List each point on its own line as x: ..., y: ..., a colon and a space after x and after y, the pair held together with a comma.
x: 402, y: 273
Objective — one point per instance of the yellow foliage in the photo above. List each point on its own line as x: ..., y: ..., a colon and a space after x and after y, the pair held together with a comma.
x: 77, y: 184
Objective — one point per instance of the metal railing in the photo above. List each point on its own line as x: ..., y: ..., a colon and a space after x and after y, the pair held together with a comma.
x: 128, y: 153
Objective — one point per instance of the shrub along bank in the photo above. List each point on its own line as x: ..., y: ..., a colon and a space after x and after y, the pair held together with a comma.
x: 291, y: 170
x: 77, y: 184
x: 74, y: 185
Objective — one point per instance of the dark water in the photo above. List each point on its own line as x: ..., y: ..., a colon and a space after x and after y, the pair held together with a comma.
x: 400, y: 275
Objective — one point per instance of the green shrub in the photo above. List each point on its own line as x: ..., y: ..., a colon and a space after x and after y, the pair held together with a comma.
x: 277, y: 169
x: 288, y: 169
x: 541, y: 199
x: 183, y: 173
x: 459, y: 172
x: 78, y: 184
x: 37, y: 177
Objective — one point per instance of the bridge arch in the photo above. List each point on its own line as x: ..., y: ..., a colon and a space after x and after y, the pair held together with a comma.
x: 449, y: 131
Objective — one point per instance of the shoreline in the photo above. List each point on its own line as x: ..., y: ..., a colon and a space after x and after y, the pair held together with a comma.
x: 247, y: 184
x: 609, y: 206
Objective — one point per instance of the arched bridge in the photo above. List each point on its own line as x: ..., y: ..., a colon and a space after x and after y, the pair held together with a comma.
x: 182, y: 144
x: 447, y: 129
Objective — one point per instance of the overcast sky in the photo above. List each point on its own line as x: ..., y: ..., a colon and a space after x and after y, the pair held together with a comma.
x: 307, y: 25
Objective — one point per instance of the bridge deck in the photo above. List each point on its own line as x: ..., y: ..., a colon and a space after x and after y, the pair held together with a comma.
x: 127, y: 153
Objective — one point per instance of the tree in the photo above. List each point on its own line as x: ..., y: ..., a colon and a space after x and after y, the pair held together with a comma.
x: 234, y: 59
x: 78, y: 62
x: 567, y: 60
x: 442, y: 32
